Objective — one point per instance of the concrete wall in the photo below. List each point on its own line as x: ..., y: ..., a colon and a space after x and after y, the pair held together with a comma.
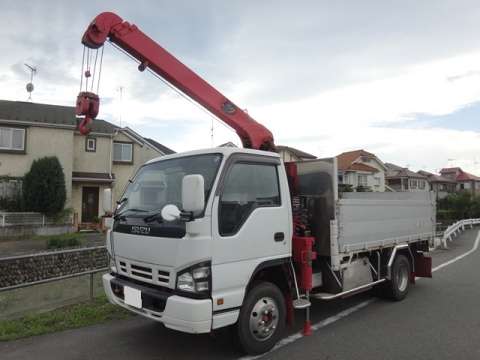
x: 8, y: 232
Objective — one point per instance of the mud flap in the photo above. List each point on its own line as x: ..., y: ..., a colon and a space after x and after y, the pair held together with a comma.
x: 423, y: 265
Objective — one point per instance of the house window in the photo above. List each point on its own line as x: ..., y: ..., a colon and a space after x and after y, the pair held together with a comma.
x: 421, y: 184
x: 123, y: 152
x: 413, y: 184
x: 12, y: 139
x: 362, y: 180
x: 90, y: 144
x: 377, y: 181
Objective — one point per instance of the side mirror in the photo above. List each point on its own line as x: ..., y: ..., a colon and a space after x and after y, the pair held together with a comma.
x: 193, y: 193
x: 170, y: 213
x: 107, y: 200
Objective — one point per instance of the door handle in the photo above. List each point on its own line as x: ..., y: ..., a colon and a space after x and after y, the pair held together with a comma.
x: 279, y: 236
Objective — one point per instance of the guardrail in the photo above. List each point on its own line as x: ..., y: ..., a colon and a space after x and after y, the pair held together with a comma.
x: 456, y: 228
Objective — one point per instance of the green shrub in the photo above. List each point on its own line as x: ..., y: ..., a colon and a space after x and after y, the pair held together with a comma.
x: 44, y: 186
x: 457, y: 206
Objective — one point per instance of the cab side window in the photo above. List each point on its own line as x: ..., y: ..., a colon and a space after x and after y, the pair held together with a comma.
x: 247, y: 186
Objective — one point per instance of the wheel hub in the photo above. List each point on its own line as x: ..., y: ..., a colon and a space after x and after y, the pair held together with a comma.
x: 264, y: 318
x: 402, y: 277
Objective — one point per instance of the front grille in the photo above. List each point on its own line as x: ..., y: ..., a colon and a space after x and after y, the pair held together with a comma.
x: 143, y: 272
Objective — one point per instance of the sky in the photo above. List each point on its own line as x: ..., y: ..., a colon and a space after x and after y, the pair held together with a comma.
x: 400, y: 79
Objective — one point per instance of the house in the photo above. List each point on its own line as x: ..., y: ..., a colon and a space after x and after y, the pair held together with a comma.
x: 288, y: 153
x: 440, y: 185
x: 402, y: 179
x: 464, y: 180
x: 228, y: 144
x: 106, y: 158
x: 362, y: 170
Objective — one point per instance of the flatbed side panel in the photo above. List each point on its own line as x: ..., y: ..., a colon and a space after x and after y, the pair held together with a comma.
x: 373, y: 220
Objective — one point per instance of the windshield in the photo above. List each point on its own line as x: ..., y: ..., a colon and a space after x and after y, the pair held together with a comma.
x: 158, y: 184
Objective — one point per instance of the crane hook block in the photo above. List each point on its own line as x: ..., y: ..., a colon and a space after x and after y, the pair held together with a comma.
x: 88, y: 105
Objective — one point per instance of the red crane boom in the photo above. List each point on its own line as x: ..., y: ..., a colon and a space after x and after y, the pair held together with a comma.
x: 151, y: 55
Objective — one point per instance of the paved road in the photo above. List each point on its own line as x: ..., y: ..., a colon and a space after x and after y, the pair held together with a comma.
x: 440, y: 319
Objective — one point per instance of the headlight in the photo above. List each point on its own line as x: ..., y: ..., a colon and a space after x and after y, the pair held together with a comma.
x: 195, y: 279
x: 185, y: 282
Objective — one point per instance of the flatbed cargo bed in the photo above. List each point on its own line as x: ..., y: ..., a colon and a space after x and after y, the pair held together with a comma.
x: 352, y: 222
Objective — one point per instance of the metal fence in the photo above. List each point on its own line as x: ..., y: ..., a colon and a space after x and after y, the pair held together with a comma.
x: 456, y: 228
x: 30, y: 218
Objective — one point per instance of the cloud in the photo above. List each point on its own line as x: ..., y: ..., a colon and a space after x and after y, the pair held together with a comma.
x: 324, y: 76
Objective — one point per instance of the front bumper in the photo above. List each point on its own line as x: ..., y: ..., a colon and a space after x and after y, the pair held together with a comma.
x: 179, y: 313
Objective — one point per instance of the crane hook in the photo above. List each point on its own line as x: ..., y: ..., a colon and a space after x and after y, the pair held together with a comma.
x: 88, y: 105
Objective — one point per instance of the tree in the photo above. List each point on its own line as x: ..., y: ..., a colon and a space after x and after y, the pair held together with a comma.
x: 44, y: 186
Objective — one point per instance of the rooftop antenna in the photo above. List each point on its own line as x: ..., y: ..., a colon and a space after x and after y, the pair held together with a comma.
x: 120, y: 89
x: 30, y: 87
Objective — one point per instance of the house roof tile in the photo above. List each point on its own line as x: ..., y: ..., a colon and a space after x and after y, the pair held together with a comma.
x: 21, y: 111
x: 162, y: 148
x: 395, y: 171
x: 460, y: 174
x: 361, y: 167
x: 296, y: 152
x: 436, y: 178
x: 345, y: 159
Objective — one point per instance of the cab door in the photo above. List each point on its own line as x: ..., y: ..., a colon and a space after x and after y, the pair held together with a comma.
x: 251, y: 224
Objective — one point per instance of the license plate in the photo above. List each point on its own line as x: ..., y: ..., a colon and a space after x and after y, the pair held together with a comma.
x: 132, y: 297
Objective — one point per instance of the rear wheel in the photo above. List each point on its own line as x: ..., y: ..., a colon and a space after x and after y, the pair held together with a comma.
x: 397, y: 287
x: 262, y: 319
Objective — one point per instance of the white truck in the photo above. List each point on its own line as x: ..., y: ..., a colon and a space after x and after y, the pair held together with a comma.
x: 234, y: 237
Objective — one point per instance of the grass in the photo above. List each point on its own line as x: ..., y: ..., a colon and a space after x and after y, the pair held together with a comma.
x: 63, y: 241
x: 74, y: 316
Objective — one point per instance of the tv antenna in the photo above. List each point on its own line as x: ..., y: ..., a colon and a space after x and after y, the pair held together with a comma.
x: 30, y: 87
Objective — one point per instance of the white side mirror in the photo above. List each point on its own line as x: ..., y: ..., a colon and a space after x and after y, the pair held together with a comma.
x: 170, y: 213
x: 193, y: 193
x: 107, y: 200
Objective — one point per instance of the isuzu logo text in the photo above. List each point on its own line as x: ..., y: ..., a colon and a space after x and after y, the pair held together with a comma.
x: 141, y: 230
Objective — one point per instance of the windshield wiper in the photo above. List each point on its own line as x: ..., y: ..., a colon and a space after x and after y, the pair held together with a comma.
x: 121, y: 215
x: 155, y: 216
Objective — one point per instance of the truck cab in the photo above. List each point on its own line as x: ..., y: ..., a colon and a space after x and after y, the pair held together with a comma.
x: 189, y: 266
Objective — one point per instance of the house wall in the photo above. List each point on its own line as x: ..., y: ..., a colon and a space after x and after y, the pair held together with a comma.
x: 98, y: 161
x: 287, y: 156
x: 376, y: 181
x: 70, y: 150
x: 77, y: 190
x: 351, y: 178
x: 123, y: 172
x: 41, y: 142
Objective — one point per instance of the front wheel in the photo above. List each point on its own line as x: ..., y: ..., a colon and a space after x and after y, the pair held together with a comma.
x: 262, y: 319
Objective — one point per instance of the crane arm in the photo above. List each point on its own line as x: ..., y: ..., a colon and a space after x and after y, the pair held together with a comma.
x: 151, y: 55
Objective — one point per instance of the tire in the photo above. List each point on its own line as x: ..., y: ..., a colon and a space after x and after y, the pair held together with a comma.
x: 397, y: 288
x: 252, y: 336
